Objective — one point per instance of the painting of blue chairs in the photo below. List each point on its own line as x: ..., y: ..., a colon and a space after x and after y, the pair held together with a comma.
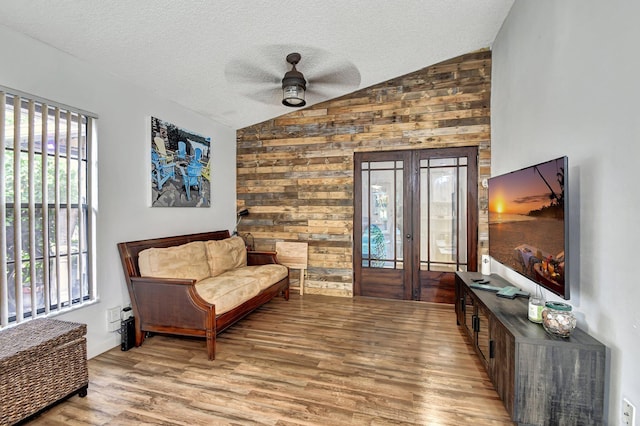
x: 192, y: 178
x: 180, y: 166
x: 182, y: 151
x: 161, y: 171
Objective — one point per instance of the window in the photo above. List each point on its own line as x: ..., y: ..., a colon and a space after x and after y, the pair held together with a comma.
x: 45, y: 244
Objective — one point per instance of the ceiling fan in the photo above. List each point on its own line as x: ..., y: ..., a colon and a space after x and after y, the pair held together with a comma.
x: 272, y: 77
x: 293, y: 84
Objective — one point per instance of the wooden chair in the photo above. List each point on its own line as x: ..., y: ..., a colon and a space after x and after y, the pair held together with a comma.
x: 206, y: 171
x: 293, y: 255
x: 182, y: 151
x: 161, y: 171
x: 192, y: 177
x: 165, y: 154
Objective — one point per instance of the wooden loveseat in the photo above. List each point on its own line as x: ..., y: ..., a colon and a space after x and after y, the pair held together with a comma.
x: 177, y: 294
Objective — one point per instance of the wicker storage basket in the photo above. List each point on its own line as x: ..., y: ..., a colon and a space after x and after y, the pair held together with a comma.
x: 41, y: 362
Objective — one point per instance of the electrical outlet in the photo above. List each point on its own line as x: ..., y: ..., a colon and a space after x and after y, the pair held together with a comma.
x: 113, y: 318
x: 628, y: 413
x: 113, y: 314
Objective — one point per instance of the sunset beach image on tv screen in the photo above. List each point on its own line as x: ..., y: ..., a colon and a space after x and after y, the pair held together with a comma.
x: 526, y: 221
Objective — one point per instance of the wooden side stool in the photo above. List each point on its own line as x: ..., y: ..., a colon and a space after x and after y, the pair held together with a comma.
x: 294, y: 256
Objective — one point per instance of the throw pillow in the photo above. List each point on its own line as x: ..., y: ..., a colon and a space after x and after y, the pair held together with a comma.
x: 225, y: 255
x: 184, y: 261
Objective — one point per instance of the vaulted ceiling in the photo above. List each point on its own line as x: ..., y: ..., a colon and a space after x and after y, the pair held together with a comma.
x: 225, y: 58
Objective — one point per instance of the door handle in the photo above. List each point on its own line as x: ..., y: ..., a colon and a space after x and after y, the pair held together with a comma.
x: 476, y: 323
x: 408, y: 236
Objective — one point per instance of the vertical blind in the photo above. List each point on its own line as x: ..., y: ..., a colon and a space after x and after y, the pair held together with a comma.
x: 45, y: 171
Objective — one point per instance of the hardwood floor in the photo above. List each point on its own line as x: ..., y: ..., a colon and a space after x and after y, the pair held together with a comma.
x: 314, y: 360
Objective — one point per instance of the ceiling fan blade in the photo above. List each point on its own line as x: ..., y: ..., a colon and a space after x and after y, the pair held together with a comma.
x: 343, y: 75
x: 240, y: 71
x: 319, y: 94
x: 272, y: 65
x: 269, y: 96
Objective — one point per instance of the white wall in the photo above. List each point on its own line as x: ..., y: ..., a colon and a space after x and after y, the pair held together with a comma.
x: 565, y: 82
x: 124, y: 211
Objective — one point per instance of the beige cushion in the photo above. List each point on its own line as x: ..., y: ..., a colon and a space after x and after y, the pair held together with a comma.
x: 235, y: 287
x: 266, y: 275
x: 184, y: 261
x: 227, y: 291
x: 225, y: 255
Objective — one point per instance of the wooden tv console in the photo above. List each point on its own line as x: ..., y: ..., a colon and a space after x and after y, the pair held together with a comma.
x: 542, y: 379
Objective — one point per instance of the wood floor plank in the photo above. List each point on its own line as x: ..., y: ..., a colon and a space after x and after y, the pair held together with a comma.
x: 312, y: 360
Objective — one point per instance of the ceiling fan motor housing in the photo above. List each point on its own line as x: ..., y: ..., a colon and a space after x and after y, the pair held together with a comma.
x: 293, y: 84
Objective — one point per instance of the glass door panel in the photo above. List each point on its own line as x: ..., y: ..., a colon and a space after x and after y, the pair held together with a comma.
x: 381, y: 216
x: 443, y: 194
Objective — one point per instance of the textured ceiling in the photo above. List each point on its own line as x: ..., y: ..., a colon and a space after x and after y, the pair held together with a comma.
x: 225, y: 58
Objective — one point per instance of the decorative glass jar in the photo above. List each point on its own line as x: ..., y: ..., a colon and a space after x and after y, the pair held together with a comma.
x: 558, y: 319
x: 536, y: 306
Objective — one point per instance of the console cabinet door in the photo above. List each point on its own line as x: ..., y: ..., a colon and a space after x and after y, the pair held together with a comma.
x: 502, y: 364
x: 469, y: 316
x: 483, y: 335
x: 460, y: 292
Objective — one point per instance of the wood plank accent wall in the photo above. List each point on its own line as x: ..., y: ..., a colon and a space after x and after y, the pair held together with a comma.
x: 295, y: 172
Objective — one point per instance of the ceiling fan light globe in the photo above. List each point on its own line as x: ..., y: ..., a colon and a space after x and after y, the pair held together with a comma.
x: 293, y: 96
x: 293, y: 86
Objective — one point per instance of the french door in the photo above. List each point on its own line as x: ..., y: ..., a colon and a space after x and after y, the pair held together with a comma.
x: 415, y: 222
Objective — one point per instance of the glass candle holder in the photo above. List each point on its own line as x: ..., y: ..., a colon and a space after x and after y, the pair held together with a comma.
x: 557, y: 319
x: 536, y: 306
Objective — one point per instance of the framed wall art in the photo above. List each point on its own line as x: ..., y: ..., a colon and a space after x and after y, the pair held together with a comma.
x: 180, y: 166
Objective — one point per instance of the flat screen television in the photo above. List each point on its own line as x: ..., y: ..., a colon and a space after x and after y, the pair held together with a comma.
x: 529, y: 226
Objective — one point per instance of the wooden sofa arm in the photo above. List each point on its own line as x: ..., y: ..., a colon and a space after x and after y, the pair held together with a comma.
x: 261, y: 257
x: 161, y: 303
